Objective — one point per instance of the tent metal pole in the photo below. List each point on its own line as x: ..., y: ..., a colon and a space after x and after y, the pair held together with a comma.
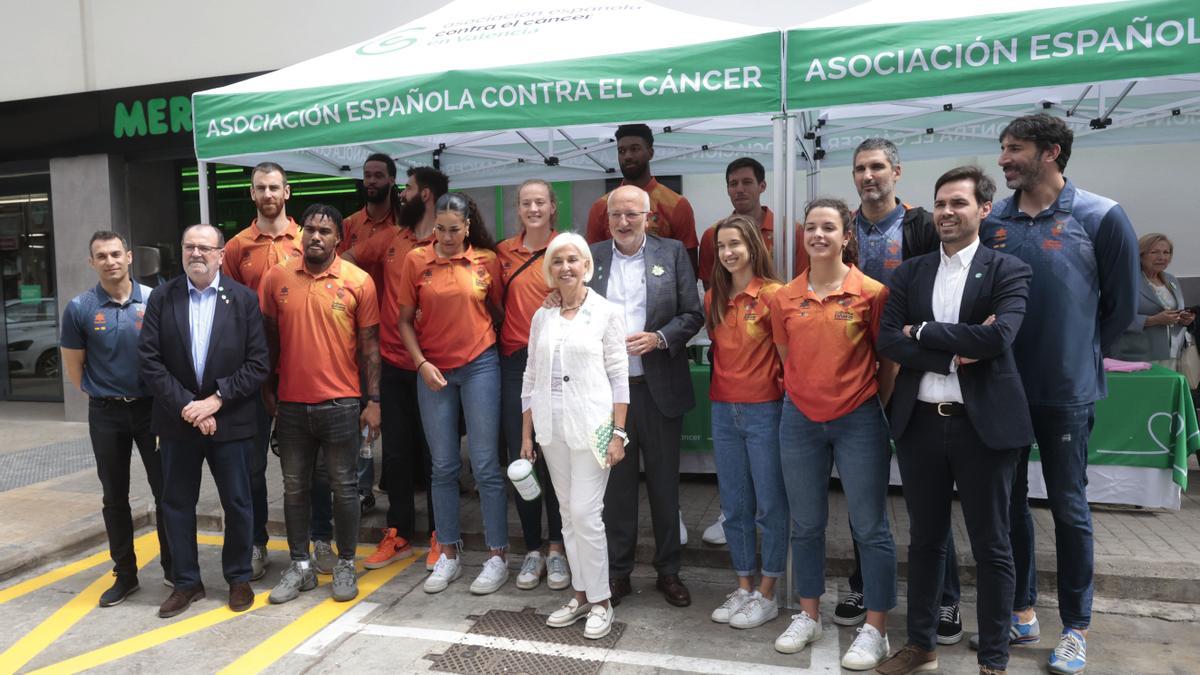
x: 789, y: 216
x: 202, y: 177
x: 779, y: 196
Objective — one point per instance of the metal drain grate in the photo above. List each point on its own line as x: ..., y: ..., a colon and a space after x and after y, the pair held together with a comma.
x: 34, y: 465
x: 473, y: 659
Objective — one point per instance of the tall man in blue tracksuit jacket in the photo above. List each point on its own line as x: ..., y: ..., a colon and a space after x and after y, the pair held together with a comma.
x: 1084, y: 256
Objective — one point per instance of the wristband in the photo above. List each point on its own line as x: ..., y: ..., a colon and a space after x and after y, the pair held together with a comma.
x: 373, y: 398
x: 421, y: 364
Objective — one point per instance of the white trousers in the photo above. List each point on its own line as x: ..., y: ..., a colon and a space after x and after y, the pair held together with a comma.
x: 579, y: 483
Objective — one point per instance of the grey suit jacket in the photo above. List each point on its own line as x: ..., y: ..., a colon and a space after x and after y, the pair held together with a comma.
x: 1139, y: 343
x: 672, y: 308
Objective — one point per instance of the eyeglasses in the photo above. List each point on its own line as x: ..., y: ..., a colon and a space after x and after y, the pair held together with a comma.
x: 631, y: 216
x: 188, y: 248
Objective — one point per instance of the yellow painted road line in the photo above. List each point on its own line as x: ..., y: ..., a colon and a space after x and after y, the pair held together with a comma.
x: 49, y: 630
x: 307, y: 624
x: 60, y: 573
x: 362, y: 551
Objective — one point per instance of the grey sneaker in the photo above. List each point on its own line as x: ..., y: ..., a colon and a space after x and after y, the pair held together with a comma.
x: 293, y: 581
x: 345, y: 581
x: 323, y: 557
x: 558, y: 573
x: 258, y: 562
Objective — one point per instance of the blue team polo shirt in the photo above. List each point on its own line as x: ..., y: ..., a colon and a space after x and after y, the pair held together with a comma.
x: 880, y: 245
x: 1083, y: 294
x: 108, y: 334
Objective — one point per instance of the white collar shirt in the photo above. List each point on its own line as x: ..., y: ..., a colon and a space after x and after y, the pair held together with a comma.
x: 627, y: 288
x: 947, y: 299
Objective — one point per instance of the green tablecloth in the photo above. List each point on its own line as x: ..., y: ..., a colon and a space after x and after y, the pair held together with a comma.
x: 1148, y: 420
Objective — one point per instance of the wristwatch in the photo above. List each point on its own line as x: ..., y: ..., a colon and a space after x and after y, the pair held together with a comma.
x: 373, y: 398
x: 622, y: 434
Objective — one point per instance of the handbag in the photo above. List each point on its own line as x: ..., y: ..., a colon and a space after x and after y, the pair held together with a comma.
x: 1189, y: 362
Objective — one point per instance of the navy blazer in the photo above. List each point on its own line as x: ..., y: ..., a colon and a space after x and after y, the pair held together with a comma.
x: 672, y: 308
x: 237, y: 361
x: 997, y: 284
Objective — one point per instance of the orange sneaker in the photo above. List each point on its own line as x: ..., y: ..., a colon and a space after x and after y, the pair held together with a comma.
x: 391, y: 549
x: 435, y: 552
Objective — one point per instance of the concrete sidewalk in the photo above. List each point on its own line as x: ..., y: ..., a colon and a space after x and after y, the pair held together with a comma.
x: 50, y: 501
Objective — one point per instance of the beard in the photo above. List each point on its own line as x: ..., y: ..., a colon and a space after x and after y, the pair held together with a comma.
x: 412, y: 211
x: 632, y: 171
x: 380, y: 196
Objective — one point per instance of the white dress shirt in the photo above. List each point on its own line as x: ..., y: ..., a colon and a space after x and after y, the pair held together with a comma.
x: 627, y: 289
x: 947, y: 299
x: 202, y: 306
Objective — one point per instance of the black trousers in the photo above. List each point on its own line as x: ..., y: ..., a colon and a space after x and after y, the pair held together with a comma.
x: 934, y: 454
x: 229, y: 462
x: 114, y: 426
x: 405, y: 452
x: 654, y: 438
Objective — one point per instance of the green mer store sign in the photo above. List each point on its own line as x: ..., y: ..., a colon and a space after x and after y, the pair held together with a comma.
x: 152, y: 117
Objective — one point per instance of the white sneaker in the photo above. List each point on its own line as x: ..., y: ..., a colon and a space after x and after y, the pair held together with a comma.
x: 869, y: 649
x: 755, y: 613
x: 568, y: 614
x: 445, y: 570
x: 558, y: 573
x: 733, y: 603
x: 801, y: 632
x: 599, y: 622
x: 531, y: 572
x: 682, y: 531
x: 493, y: 576
x: 715, y: 534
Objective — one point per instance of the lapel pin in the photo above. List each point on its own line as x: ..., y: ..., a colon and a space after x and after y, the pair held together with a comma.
x: 657, y: 270
x: 979, y: 275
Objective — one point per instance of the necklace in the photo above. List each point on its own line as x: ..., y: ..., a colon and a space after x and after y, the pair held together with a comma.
x: 572, y: 309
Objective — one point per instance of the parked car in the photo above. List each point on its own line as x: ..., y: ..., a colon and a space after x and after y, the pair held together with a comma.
x: 32, y: 337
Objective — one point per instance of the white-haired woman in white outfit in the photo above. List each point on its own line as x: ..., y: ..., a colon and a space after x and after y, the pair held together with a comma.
x: 575, y: 395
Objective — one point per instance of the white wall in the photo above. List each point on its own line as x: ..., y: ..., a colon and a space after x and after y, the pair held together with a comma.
x: 1152, y: 183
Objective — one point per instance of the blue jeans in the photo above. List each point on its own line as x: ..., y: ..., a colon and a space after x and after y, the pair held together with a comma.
x: 512, y: 372
x: 857, y: 443
x: 750, y: 480
x: 475, y: 387
x: 1062, y: 436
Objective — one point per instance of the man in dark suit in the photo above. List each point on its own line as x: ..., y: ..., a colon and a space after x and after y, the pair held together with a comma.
x: 204, y: 358
x: 958, y: 412
x: 652, y: 279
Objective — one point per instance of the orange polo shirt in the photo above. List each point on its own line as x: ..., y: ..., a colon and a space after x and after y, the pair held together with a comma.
x: 525, y: 294
x: 708, y: 247
x: 831, y: 362
x: 319, y: 318
x: 250, y: 253
x: 670, y: 216
x: 387, y: 249
x: 746, y: 366
x: 359, y: 228
x: 451, y: 294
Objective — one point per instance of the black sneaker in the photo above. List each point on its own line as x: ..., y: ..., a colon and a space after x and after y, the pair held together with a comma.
x: 121, y: 589
x: 851, y: 610
x: 950, y: 629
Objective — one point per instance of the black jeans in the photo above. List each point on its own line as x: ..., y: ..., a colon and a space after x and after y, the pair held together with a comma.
x: 114, y: 427
x: 512, y: 371
x: 405, y: 451
x: 331, y: 429
x: 936, y: 453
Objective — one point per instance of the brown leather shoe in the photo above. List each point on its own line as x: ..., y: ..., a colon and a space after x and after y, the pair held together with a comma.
x: 676, y: 593
x: 988, y: 670
x: 241, y: 596
x: 180, y: 600
x: 619, y: 588
x: 910, y: 659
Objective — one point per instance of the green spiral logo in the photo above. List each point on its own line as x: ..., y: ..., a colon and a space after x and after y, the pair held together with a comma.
x: 390, y: 43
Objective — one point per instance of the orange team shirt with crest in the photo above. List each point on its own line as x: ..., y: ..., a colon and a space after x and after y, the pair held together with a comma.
x: 746, y: 365
x: 319, y: 318
x: 831, y: 360
x: 250, y: 253
x: 452, y: 322
x: 387, y: 249
x: 708, y: 246
x: 524, y: 294
x: 358, y: 228
x: 670, y: 216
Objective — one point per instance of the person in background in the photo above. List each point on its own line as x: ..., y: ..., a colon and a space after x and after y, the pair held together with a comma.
x: 524, y: 291
x: 575, y: 394
x: 406, y: 460
x: 100, y: 329
x: 204, y: 360
x: 1083, y: 295
x: 747, y: 397
x: 836, y: 386
x: 1157, y: 332
x: 455, y: 286
x: 651, y: 279
x: 670, y: 214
